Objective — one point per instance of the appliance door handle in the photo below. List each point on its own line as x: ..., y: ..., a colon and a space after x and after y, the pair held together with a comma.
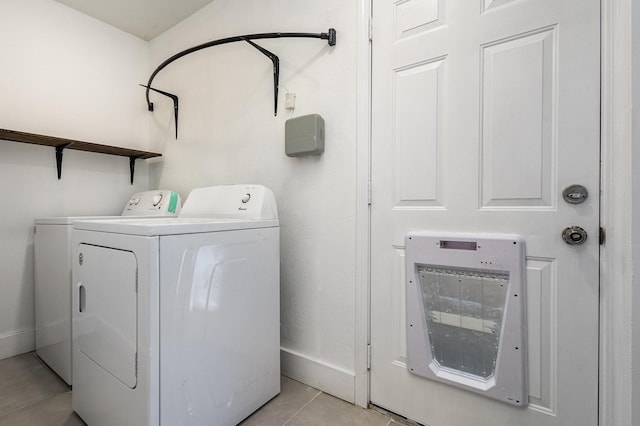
x: 82, y: 298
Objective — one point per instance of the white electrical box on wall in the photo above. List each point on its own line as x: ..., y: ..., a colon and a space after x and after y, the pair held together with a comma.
x: 466, y: 318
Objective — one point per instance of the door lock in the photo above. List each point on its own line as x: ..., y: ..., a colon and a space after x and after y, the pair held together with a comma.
x: 575, y: 194
x: 574, y: 235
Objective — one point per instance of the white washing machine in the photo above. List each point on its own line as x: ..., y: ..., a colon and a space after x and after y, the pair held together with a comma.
x: 52, y: 245
x: 176, y: 321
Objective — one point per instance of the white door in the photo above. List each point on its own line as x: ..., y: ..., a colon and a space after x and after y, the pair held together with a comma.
x: 483, y: 112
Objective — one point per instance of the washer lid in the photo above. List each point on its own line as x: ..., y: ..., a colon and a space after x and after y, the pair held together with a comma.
x: 68, y: 220
x: 160, y: 203
x: 172, y: 226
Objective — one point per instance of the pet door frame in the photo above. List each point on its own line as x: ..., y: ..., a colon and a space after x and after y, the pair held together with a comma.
x: 470, y: 256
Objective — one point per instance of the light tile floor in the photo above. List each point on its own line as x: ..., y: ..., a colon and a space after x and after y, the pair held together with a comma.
x: 32, y: 395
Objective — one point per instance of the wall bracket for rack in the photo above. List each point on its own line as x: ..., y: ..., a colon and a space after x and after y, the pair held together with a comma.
x: 173, y: 97
x: 276, y: 72
x: 59, y: 150
x: 330, y: 36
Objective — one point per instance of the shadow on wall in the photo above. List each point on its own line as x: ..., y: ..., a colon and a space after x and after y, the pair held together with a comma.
x: 21, y: 338
x: 155, y: 172
x: 27, y: 287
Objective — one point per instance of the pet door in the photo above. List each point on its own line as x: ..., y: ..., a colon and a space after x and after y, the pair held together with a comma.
x: 465, y: 312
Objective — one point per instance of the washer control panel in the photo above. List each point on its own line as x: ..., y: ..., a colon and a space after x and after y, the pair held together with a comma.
x: 153, y: 203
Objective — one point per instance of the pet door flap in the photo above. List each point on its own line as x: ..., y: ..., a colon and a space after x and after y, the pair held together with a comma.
x: 465, y: 312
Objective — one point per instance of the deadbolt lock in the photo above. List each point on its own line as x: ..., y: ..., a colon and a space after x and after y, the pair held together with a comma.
x: 575, y: 194
x: 574, y: 235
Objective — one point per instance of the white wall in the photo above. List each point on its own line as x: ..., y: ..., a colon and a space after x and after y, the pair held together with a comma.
x: 67, y: 75
x: 228, y: 134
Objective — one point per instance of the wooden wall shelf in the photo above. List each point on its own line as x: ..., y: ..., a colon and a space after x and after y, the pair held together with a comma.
x: 60, y: 144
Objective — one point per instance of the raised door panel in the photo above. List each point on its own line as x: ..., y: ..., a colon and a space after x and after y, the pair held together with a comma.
x: 518, y: 121
x: 417, y: 128
x: 413, y: 17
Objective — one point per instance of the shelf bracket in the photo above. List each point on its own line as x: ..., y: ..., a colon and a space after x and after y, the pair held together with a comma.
x: 132, y: 166
x: 59, y: 150
x: 330, y: 36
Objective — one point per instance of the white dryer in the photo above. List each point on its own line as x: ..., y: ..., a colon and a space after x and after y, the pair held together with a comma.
x: 176, y: 321
x: 52, y: 246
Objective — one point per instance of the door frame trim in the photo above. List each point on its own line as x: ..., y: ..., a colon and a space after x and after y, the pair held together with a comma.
x: 363, y: 177
x: 616, y: 382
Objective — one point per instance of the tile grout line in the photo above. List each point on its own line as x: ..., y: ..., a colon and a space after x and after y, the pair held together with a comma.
x: 302, y: 408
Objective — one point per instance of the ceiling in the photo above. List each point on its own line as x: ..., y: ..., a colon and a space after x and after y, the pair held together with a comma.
x: 143, y: 18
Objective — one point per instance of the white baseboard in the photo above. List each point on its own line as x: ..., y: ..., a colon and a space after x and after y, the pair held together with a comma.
x: 320, y: 375
x: 17, y: 342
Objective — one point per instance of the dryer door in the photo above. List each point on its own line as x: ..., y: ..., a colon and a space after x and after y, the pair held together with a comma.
x: 107, y: 310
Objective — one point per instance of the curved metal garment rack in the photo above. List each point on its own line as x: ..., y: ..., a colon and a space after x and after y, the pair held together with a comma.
x: 330, y: 36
